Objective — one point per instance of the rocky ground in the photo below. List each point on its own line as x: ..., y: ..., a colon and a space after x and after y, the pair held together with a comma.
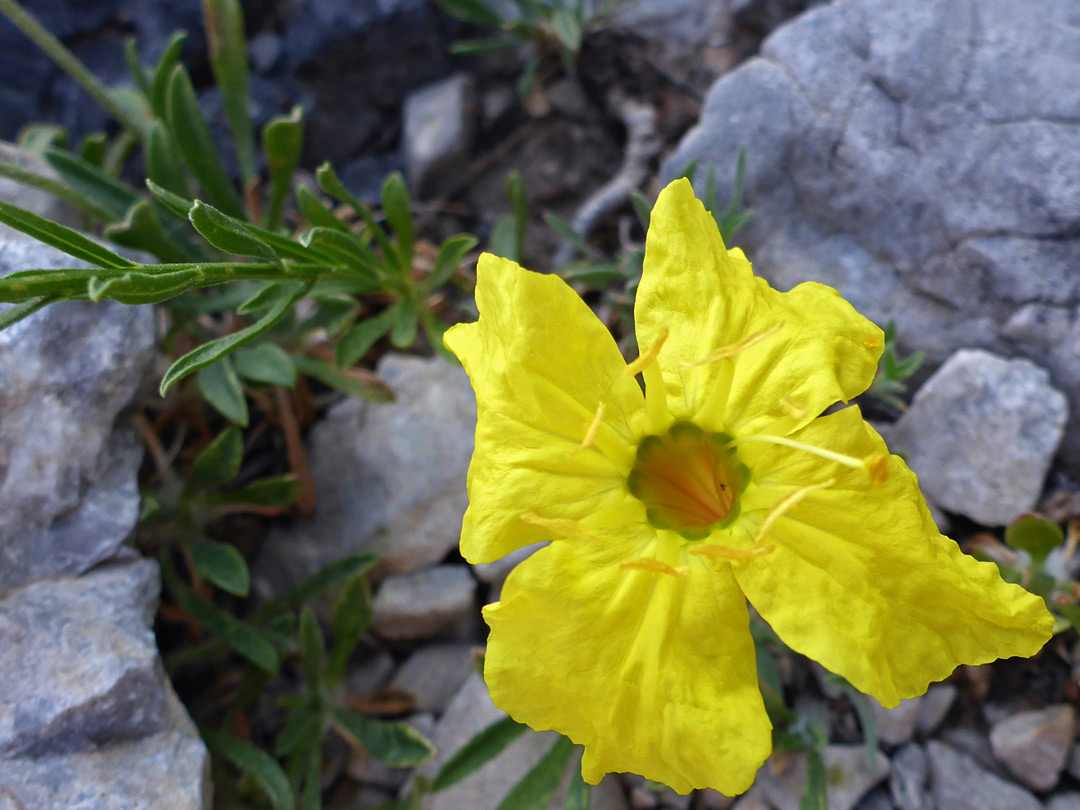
x: 922, y: 157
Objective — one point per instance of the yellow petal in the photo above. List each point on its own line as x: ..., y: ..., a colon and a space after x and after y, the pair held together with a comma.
x: 540, y: 363
x: 653, y: 674
x: 862, y: 581
x: 809, y: 347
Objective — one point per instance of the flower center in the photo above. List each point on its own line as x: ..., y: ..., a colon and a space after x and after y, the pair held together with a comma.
x: 689, y: 480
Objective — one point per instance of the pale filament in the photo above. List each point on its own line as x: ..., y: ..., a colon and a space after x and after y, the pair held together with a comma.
x: 648, y: 358
x: 594, y: 429
x: 653, y: 566
x: 875, y: 466
x: 561, y: 527
x: 735, y: 348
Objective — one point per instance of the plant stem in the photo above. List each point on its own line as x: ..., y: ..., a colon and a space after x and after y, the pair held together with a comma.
x: 67, y: 61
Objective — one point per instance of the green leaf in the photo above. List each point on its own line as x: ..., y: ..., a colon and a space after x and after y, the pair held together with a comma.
x: 578, y: 795
x: 141, y: 288
x: 472, y: 46
x: 642, y: 208
x: 131, y: 56
x: 315, y: 211
x: 219, y: 462
x: 451, y: 253
x: 397, y: 208
x: 535, y: 790
x: 324, y: 580
x: 163, y: 163
x: 266, y: 297
x: 92, y: 182
x: 567, y: 232
x: 478, y: 751
x: 277, y: 492
x: 92, y: 148
x: 394, y: 744
x: 60, y: 237
x: 304, y: 724
x: 229, y: 234
x: 37, y: 138
x: 254, y: 761
x: 224, y: 20
x: 160, y: 75
x: 358, y: 341
x: 24, y: 309
x: 213, y: 350
x: 340, y: 380
x: 567, y: 30
x: 192, y: 136
x: 312, y: 649
x: 311, y: 799
x: 332, y: 185
x: 1034, y: 534
x: 266, y: 363
x: 435, y: 330
x: 238, y: 635
x: 221, y: 387
x: 403, y: 332
x: 334, y: 313
x: 472, y: 11
x: 345, y: 250
x: 141, y: 229
x: 505, y: 240
x: 814, y: 791
x: 352, y: 617
x: 592, y: 274
x: 283, y: 142
x: 172, y: 202
x: 223, y: 565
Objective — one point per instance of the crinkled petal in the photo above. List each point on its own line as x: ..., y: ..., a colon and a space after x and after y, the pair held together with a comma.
x: 654, y: 674
x: 540, y: 363
x: 813, y: 349
x: 862, y: 581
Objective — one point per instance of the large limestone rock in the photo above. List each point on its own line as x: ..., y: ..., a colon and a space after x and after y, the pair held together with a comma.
x: 390, y: 478
x: 923, y: 158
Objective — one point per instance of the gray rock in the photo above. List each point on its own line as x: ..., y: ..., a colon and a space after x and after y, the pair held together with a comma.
x: 897, y: 725
x: 30, y: 198
x: 1035, y: 744
x: 390, y: 478
x: 68, y: 493
x: 851, y: 776
x: 371, y: 673
x: 434, y: 673
x: 80, y: 665
x: 495, y: 573
x: 876, y: 800
x: 1064, y: 801
x: 169, y: 770
x: 437, y: 130
x: 908, y: 784
x: 470, y: 712
x: 935, y: 704
x: 753, y: 799
x: 981, y: 434
x: 972, y: 743
x: 688, y: 25
x: 958, y: 783
x: 924, y: 159
x: 421, y: 604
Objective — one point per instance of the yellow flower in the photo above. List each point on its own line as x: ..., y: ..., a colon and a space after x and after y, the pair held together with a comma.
x: 667, y: 511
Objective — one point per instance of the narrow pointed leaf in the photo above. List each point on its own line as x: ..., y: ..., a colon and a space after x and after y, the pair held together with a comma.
x: 578, y: 796
x: 472, y: 11
x: 142, y: 229
x: 254, y: 761
x: 92, y: 182
x: 159, y: 79
x: 315, y: 211
x: 276, y: 492
x: 15, y: 313
x: 266, y: 363
x: 358, y: 341
x: 219, y: 462
x: 333, y: 574
x: 61, y: 237
x: 478, y: 751
x: 224, y: 21
x: 451, y: 252
x: 173, y: 202
x: 312, y: 649
x: 352, y: 617
x: 535, y: 790
x: 283, y: 142
x: 397, y: 208
x: 221, y: 387
x: 163, y: 162
x: 394, y: 744
x: 196, y: 144
x: 352, y: 384
x: 403, y: 332
x: 332, y: 185
x: 223, y: 565
x: 229, y: 234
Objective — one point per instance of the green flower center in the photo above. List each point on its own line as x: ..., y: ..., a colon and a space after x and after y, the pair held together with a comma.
x: 689, y: 480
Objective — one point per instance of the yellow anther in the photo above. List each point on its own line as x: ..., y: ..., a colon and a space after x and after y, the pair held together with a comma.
x: 735, y: 348
x: 653, y: 566
x: 561, y: 527
x: 646, y: 360
x: 733, y: 554
x: 594, y: 428
x: 871, y: 341
x: 878, y: 468
x: 793, y: 408
x: 785, y: 504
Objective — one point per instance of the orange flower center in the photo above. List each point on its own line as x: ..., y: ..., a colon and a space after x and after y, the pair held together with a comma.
x: 688, y: 480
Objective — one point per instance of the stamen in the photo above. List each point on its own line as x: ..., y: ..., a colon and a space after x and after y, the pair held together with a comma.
x: 594, y: 428
x: 646, y: 360
x: 652, y: 566
x: 793, y: 408
x: 788, y: 502
x: 733, y: 554
x: 562, y: 527
x: 876, y: 466
x: 735, y: 348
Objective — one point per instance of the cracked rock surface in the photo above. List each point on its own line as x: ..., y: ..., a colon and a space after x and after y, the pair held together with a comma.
x: 924, y: 159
